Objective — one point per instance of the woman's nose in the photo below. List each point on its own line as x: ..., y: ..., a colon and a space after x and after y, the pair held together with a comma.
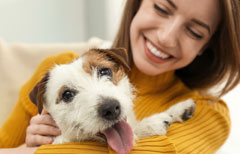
x: 168, y: 34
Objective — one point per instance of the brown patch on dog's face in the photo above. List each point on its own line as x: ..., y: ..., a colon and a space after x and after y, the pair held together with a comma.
x: 98, y: 59
x: 65, y: 94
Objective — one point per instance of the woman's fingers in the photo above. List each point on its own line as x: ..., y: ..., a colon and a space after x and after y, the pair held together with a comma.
x: 35, y: 140
x: 43, y: 130
x: 43, y: 119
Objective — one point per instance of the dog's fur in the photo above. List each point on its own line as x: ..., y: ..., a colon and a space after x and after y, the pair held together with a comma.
x: 79, y: 95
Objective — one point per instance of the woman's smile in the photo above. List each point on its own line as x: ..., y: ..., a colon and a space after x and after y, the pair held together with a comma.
x: 155, y: 53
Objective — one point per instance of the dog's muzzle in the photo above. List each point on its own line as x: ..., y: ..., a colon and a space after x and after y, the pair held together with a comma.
x: 109, y: 109
x: 120, y: 135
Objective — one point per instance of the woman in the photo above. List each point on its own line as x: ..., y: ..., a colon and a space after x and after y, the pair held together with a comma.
x: 179, y: 49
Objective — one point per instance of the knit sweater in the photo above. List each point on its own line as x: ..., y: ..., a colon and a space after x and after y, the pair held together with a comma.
x: 204, y: 133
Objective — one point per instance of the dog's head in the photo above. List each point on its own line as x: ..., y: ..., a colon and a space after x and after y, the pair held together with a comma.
x: 88, y: 97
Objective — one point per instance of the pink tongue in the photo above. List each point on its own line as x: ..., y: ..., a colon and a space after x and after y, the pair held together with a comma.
x: 120, y: 137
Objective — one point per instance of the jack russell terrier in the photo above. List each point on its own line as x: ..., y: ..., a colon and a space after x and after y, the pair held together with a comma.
x: 91, y: 99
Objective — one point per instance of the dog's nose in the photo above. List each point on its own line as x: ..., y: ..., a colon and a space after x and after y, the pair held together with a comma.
x: 109, y: 109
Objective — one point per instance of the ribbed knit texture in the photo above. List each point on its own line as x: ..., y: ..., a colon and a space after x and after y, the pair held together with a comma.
x: 202, y: 134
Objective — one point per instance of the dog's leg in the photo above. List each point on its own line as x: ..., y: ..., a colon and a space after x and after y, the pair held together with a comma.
x: 182, y: 111
x: 158, y: 124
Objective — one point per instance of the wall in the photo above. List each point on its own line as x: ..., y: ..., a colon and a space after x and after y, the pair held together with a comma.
x: 45, y: 21
x: 48, y: 21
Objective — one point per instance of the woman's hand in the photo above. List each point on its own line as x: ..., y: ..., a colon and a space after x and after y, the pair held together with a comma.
x: 41, y: 130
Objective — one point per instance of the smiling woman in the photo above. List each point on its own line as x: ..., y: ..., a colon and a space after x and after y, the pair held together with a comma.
x: 192, y: 37
x: 178, y: 50
x: 174, y: 31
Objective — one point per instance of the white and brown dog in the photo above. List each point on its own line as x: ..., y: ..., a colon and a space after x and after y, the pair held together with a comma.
x: 92, y: 99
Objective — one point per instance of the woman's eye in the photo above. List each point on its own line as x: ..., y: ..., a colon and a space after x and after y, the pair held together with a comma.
x: 68, y: 95
x: 105, y: 72
x: 194, y: 34
x: 161, y: 10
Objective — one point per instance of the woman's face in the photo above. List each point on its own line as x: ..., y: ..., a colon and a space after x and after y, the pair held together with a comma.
x: 168, y: 34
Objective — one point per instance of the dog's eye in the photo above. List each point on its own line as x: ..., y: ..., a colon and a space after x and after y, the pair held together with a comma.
x: 67, y: 96
x: 105, y: 72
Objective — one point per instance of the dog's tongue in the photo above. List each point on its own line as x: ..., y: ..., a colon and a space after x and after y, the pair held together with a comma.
x: 120, y: 137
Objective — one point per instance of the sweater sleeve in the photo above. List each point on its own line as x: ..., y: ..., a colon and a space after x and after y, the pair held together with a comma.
x: 150, y: 145
x: 13, y: 131
x: 204, y: 133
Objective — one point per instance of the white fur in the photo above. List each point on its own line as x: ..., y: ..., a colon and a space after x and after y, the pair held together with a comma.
x: 79, y: 121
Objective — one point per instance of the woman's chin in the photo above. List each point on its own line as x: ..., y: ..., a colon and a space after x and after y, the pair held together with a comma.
x: 149, y: 69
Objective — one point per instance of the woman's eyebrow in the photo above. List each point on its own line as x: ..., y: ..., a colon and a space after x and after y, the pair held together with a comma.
x: 200, y: 23
x: 172, y: 4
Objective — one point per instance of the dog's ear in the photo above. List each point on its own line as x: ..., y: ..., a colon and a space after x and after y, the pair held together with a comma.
x: 119, y: 55
x: 36, y: 95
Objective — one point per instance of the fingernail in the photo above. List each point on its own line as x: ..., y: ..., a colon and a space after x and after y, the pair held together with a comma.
x: 50, y: 140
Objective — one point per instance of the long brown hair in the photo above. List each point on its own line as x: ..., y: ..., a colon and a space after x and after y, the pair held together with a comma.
x: 220, y: 62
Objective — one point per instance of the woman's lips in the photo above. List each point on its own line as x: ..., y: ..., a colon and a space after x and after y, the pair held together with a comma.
x: 154, y: 54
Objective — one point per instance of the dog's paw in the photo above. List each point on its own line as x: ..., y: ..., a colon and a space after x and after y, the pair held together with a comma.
x: 182, y: 111
x: 156, y: 124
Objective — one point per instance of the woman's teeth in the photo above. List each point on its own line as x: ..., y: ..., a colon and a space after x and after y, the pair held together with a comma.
x: 156, y: 52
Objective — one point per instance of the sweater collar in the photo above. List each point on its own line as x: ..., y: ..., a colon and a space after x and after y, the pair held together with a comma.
x: 151, y: 84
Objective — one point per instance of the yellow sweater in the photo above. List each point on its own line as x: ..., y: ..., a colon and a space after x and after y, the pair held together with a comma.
x: 204, y: 133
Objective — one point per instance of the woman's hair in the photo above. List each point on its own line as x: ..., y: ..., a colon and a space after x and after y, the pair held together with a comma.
x: 220, y: 61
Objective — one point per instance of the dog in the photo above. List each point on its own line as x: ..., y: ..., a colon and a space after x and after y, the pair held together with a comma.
x: 91, y: 99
